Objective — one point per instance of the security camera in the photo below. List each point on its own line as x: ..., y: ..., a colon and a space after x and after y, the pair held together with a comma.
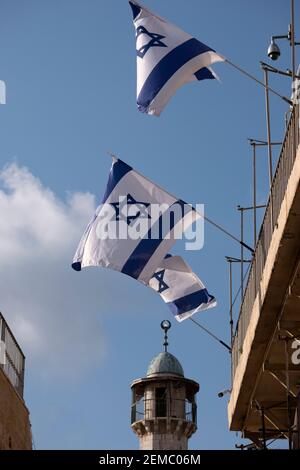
x: 221, y: 394
x: 273, y: 50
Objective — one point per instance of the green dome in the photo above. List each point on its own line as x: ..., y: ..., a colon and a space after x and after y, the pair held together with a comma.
x: 165, y: 363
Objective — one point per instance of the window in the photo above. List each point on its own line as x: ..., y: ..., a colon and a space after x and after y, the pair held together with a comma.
x: 160, y: 402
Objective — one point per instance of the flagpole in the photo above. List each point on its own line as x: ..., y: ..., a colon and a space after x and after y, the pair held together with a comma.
x: 211, y: 334
x: 227, y: 233
x: 219, y: 227
x: 267, y: 87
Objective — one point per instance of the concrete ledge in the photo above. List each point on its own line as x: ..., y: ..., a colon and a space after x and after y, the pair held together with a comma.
x: 263, y: 317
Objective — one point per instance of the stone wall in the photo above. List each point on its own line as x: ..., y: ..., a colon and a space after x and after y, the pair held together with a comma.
x: 15, y: 430
x: 164, y: 441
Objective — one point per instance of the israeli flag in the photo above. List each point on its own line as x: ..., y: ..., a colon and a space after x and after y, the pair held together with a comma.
x: 167, y: 58
x: 134, y: 227
x: 183, y: 292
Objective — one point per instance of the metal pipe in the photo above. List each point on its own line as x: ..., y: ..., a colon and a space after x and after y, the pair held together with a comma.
x: 298, y: 423
x: 292, y: 40
x: 263, y: 427
x: 269, y: 141
x: 284, y: 98
x: 292, y: 43
x: 230, y: 314
x: 242, y: 252
x: 288, y: 398
x: 270, y: 68
x: 262, y: 143
x: 2, y: 329
x: 211, y: 334
x: 227, y: 233
x: 254, y: 196
x: 250, y: 208
x: 268, y: 120
x: 230, y: 302
x: 242, y: 260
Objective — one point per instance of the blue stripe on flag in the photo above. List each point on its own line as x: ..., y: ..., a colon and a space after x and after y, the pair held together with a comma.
x: 135, y: 10
x: 119, y: 169
x: 204, y: 74
x: 76, y: 266
x: 146, y: 248
x: 190, y: 302
x: 140, y: 257
x: 164, y: 70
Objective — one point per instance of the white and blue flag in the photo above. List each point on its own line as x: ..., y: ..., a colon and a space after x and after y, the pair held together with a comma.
x: 167, y: 58
x: 183, y: 292
x: 134, y: 227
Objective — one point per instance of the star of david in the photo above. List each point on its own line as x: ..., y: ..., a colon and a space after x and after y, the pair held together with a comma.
x: 155, y: 41
x: 159, y: 276
x: 141, y: 209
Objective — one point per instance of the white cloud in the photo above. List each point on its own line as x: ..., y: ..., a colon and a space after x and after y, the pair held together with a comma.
x: 52, y: 310
x: 32, y: 218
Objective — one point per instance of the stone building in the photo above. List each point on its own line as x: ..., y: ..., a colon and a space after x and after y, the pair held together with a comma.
x: 15, y: 429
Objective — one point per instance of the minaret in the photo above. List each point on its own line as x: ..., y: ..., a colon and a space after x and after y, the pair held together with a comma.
x: 164, y: 410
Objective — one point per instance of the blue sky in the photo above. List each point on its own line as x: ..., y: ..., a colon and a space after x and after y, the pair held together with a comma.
x: 69, y: 68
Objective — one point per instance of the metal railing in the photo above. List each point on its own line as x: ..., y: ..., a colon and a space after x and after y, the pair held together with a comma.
x: 279, y: 185
x: 164, y: 408
x: 12, y: 358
